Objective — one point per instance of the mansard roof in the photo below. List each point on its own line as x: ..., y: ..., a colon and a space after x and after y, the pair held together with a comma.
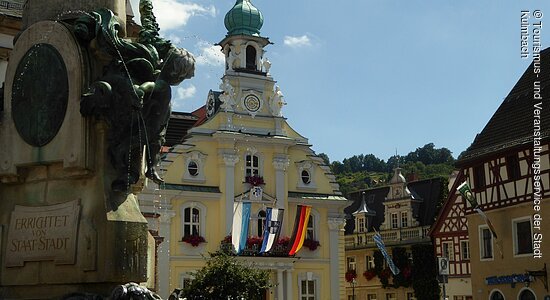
x: 512, y: 124
x: 178, y: 125
x: 429, y: 190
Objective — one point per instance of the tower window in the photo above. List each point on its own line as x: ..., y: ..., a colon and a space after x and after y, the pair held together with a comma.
x: 251, y: 58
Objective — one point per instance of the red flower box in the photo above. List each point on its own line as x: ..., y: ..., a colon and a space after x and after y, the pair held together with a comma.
x: 254, y: 240
x: 255, y: 180
x: 284, y: 241
x: 350, y: 275
x: 311, y: 244
x: 369, y: 274
x: 194, y: 240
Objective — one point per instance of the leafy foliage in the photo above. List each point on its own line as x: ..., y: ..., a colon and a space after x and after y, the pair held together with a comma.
x: 224, y: 277
x: 368, y: 171
x: 399, y: 255
x: 424, y: 272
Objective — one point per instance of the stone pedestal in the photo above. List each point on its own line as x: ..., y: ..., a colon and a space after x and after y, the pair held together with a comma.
x: 40, y: 10
x: 62, y: 228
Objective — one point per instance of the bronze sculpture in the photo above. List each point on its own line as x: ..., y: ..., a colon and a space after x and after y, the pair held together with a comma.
x: 133, y: 94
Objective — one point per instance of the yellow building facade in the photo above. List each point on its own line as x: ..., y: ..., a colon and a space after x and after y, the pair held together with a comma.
x: 243, y: 133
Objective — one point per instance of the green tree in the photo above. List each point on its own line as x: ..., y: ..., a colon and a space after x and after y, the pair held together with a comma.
x: 224, y: 277
x: 373, y: 164
x: 424, y: 272
x: 325, y: 158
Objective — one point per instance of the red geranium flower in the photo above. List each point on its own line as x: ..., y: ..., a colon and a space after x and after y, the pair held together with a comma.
x: 311, y: 244
x: 350, y: 275
x: 369, y: 274
x: 194, y: 240
x: 255, y: 180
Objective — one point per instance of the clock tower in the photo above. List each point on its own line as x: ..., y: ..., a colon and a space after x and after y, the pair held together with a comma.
x: 247, y: 88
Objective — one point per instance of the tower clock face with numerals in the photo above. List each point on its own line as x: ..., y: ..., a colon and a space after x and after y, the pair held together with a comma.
x: 252, y: 103
x: 40, y: 94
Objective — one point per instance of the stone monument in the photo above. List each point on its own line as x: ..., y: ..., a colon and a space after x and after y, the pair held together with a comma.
x: 85, y: 111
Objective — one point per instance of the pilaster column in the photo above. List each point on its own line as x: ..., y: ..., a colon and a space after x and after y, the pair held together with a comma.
x: 280, y: 163
x: 230, y: 161
x: 280, y: 285
x: 289, y: 291
x: 337, y: 259
x: 163, y: 275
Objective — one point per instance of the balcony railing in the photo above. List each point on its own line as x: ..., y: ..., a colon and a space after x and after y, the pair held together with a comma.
x: 254, y: 250
x: 390, y: 237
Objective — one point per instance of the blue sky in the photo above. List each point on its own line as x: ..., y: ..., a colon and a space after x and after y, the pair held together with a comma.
x: 365, y: 76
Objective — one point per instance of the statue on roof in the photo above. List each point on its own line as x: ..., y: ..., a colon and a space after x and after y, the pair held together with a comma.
x: 228, y: 95
x: 277, y: 102
x: 133, y: 93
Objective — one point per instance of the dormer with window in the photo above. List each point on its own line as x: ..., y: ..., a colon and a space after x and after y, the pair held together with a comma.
x: 194, y: 162
x: 306, y: 175
x: 400, y: 204
x: 362, y: 216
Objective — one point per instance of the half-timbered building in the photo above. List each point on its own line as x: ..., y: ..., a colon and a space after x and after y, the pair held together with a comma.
x: 507, y: 167
x: 450, y: 236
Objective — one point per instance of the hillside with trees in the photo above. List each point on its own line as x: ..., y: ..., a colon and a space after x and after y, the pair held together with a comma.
x: 368, y: 171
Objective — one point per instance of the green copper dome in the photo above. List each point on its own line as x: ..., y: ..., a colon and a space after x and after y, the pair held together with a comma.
x: 244, y: 18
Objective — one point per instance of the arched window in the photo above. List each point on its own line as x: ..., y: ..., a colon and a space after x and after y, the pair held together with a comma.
x: 251, y: 58
x: 252, y: 165
x: 310, y: 233
x: 191, y: 221
x: 526, y: 294
x: 496, y: 295
x: 261, y: 222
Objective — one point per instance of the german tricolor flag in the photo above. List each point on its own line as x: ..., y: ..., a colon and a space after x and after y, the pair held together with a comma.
x: 300, y: 228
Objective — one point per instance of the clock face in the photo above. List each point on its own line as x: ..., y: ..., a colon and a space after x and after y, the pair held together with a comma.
x: 252, y: 103
x: 210, y: 106
x: 40, y: 94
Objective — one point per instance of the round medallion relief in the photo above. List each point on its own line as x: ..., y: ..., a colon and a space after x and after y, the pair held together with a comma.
x: 40, y: 94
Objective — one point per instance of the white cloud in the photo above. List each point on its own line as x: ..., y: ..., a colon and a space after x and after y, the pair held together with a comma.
x: 186, y: 92
x: 297, y: 41
x: 172, y: 14
x: 209, y: 55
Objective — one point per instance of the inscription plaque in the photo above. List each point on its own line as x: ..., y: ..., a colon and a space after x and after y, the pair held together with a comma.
x: 41, y: 233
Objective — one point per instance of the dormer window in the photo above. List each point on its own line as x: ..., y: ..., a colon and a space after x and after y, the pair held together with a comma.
x: 360, y: 224
x: 251, y: 58
x: 394, y: 224
x: 193, y: 168
x: 404, y: 219
x: 306, y: 177
x: 305, y: 171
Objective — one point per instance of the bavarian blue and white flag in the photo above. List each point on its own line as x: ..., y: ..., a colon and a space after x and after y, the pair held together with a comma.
x: 380, y: 244
x: 239, y: 232
x: 272, y: 228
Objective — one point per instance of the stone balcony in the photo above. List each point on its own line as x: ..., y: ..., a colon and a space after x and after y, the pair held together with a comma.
x: 390, y: 237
